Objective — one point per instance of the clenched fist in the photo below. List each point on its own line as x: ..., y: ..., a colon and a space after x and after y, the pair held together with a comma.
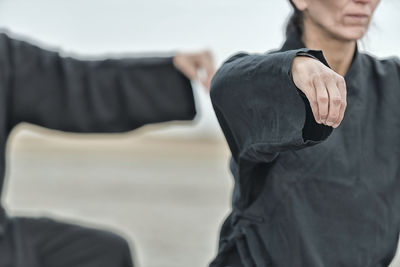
x: 324, y: 89
x: 196, y: 66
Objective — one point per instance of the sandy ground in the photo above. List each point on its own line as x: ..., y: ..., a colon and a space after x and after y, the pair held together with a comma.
x: 167, y: 195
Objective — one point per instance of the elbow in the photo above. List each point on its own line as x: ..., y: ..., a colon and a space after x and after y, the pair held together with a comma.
x: 226, y: 78
x: 217, y: 87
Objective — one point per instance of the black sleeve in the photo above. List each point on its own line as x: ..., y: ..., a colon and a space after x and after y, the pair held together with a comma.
x: 259, y: 108
x: 91, y: 96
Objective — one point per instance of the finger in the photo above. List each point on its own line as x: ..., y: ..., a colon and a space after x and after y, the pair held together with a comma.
x: 322, y: 99
x: 335, y: 102
x: 341, y: 84
x: 203, y: 78
x: 210, y: 70
x: 312, y: 100
x: 209, y: 63
x: 206, y: 64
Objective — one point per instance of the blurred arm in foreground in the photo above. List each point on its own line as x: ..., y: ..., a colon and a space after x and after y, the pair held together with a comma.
x: 110, y: 95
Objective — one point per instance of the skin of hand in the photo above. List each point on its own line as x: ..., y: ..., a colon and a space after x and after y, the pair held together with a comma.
x: 196, y: 66
x: 324, y: 89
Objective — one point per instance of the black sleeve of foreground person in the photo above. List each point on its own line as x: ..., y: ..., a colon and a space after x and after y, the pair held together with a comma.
x: 260, y: 110
x: 91, y: 96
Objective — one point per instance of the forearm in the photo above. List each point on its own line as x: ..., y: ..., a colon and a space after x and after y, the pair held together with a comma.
x: 259, y: 107
x: 94, y: 96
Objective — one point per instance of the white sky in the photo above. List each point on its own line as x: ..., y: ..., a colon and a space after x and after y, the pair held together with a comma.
x: 95, y: 27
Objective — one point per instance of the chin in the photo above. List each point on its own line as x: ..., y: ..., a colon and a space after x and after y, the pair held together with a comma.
x: 353, y: 34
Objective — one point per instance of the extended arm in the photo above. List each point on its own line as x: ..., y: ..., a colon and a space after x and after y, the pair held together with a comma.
x: 91, y: 96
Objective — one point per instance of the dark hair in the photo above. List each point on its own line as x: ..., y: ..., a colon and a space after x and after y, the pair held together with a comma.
x: 295, y: 22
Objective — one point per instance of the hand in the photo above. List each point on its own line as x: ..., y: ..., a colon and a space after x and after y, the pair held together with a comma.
x: 325, y: 89
x: 196, y: 66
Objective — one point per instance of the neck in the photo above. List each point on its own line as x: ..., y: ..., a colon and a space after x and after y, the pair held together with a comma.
x: 338, y: 53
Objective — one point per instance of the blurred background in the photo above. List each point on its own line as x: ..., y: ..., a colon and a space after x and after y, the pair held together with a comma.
x: 166, y: 187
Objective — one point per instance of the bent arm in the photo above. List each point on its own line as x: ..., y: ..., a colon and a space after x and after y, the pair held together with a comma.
x: 92, y: 96
x: 260, y: 110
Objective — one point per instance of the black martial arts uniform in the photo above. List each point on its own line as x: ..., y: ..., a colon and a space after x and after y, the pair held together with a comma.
x: 308, y: 195
x: 40, y: 87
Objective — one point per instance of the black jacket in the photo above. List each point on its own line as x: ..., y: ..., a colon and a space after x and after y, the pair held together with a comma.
x: 115, y: 95
x: 308, y: 195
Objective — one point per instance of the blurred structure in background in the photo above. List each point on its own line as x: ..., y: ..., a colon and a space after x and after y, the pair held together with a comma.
x: 168, y: 187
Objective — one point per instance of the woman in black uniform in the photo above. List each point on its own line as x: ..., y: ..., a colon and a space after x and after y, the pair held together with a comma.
x: 66, y: 94
x: 314, y: 133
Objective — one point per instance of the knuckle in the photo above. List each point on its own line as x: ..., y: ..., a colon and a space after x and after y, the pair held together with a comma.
x: 323, y: 99
x: 333, y: 116
x: 340, y: 78
x: 311, y: 99
x: 314, y: 78
x: 314, y: 102
x: 326, y: 75
x: 336, y: 101
x: 341, y: 81
x: 324, y: 115
x: 310, y: 83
